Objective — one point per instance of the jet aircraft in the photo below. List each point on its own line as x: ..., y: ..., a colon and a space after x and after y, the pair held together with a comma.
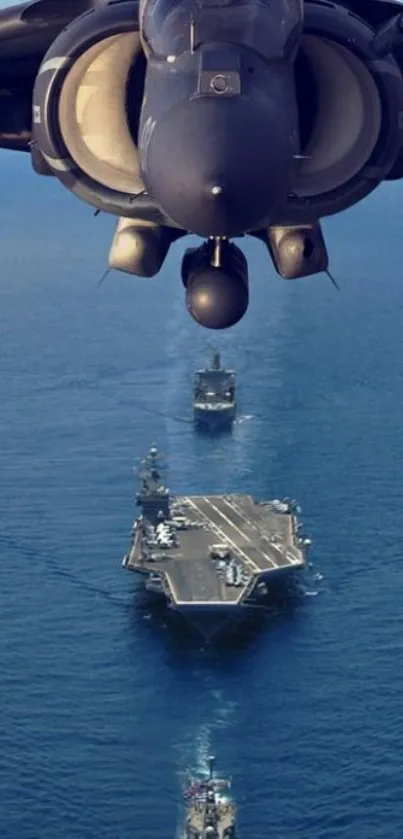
x: 219, y: 118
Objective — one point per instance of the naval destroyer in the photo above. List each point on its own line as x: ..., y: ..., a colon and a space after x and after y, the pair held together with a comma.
x: 211, y: 812
x: 214, y: 404
x: 211, y: 557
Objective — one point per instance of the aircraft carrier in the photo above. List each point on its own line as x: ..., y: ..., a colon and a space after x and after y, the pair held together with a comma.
x: 211, y: 813
x: 212, y: 557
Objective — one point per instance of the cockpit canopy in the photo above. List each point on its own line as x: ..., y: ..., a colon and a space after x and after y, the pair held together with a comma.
x: 174, y: 27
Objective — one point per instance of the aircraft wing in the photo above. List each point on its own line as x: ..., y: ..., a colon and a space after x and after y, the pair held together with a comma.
x: 26, y: 33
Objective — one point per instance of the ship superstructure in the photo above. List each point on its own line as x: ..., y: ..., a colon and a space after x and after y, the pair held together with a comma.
x: 212, y: 557
x: 211, y: 812
x: 214, y: 404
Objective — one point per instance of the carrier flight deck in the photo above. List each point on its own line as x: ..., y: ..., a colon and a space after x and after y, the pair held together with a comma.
x: 211, y: 556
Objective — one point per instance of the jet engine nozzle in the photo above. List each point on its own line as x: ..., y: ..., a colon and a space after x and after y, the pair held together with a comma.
x: 217, y: 297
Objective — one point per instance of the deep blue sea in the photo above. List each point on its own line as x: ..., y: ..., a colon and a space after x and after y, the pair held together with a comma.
x: 103, y: 707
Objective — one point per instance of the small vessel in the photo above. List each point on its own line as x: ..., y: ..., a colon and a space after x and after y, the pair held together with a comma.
x: 211, y: 813
x: 214, y: 403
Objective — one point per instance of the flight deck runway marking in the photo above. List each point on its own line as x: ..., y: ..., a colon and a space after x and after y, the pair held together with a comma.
x: 235, y: 508
x: 247, y: 558
x: 241, y: 533
x: 259, y: 526
x: 276, y: 550
x: 252, y: 524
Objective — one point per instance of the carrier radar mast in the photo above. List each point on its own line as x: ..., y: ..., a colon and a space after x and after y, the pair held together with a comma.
x: 153, y: 497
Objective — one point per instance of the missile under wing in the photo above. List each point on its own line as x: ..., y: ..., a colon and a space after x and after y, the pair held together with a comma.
x: 220, y: 118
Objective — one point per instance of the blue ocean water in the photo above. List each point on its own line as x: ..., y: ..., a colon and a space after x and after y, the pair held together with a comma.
x: 102, y: 706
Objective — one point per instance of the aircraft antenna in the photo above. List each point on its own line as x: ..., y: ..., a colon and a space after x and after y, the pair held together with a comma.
x: 104, y: 276
x: 332, y: 279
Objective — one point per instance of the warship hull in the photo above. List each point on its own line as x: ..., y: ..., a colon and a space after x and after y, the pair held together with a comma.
x: 214, y: 401
x: 223, y: 557
x: 211, y: 810
x: 213, y: 419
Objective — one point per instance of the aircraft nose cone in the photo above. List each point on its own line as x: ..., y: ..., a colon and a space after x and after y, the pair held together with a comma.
x: 219, y: 167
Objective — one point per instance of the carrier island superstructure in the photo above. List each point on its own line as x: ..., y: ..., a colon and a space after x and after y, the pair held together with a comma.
x: 212, y: 557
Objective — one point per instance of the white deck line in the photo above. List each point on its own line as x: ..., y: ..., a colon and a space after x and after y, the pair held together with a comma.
x: 225, y: 537
x: 241, y: 533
